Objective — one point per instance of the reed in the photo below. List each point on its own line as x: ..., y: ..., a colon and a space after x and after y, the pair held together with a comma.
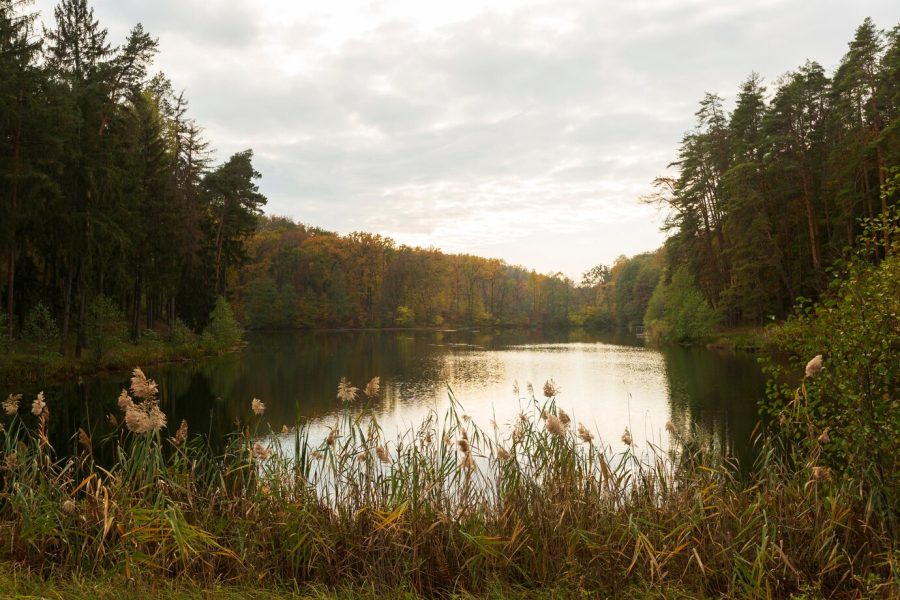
x: 443, y: 508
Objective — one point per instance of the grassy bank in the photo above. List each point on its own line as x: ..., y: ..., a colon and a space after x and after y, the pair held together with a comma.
x: 748, y: 339
x: 36, y: 365
x: 16, y: 583
x: 446, y: 508
x: 33, y: 357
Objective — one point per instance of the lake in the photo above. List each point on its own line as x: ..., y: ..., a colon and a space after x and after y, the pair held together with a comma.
x: 606, y: 382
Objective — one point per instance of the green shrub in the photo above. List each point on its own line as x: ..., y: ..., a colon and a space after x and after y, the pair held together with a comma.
x: 5, y: 338
x: 40, y: 328
x: 843, y: 416
x: 223, y: 331
x: 106, y: 326
x: 598, y: 318
x: 406, y: 317
x: 678, y: 312
x: 182, y: 335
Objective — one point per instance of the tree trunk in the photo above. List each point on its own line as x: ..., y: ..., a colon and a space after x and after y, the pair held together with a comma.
x: 81, y: 336
x: 67, y: 310
x: 220, y: 241
x: 136, y: 308
x: 14, y: 201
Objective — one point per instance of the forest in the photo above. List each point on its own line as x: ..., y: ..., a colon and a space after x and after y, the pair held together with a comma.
x: 769, y: 198
x: 764, y: 202
x: 116, y: 221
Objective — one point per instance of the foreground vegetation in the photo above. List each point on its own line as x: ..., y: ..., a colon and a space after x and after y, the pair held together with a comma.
x: 444, y: 508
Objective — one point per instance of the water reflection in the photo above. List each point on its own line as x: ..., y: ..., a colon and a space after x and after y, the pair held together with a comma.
x: 606, y: 382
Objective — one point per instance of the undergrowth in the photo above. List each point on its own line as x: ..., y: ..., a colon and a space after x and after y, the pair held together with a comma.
x: 445, y: 508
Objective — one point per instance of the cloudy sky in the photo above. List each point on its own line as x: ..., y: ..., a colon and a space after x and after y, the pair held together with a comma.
x: 520, y: 130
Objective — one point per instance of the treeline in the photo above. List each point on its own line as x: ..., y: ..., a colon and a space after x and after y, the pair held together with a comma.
x: 770, y: 196
x: 300, y: 276
x: 111, y: 214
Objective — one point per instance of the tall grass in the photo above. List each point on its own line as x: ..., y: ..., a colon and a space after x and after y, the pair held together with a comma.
x: 445, y: 507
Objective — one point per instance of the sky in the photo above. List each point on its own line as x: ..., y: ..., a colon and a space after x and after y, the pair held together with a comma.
x: 526, y: 131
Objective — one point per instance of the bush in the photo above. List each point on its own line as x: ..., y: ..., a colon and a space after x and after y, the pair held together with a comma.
x: 599, y: 318
x: 223, y: 331
x: 677, y: 311
x: 106, y: 326
x: 5, y: 338
x: 182, y: 335
x: 40, y: 328
x: 843, y: 416
x: 406, y: 317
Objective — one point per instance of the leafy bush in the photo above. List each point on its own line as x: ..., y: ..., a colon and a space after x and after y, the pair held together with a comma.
x: 5, y: 339
x: 406, y: 317
x: 106, y: 326
x: 844, y: 415
x: 223, y: 330
x: 599, y: 318
x: 182, y: 335
x: 40, y: 328
x: 677, y: 311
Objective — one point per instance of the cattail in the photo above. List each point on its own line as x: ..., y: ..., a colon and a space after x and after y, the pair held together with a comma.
x: 821, y: 474
x: 361, y: 457
x: 814, y: 366
x: 515, y: 388
x: 373, y: 387
x: 502, y: 454
x: 11, y: 404
x: 463, y: 445
x: 261, y: 452
x: 550, y: 389
x: 332, y: 437
x: 586, y: 436
x: 382, y: 454
x: 626, y: 437
x: 317, y: 455
x: 141, y: 387
x: 38, y: 406
x: 530, y: 389
x: 670, y: 427
x: 112, y: 420
x: 182, y: 434
x: 824, y: 438
x: 346, y: 392
x: 68, y: 507
x: 564, y: 418
x: 554, y: 426
x: 258, y: 407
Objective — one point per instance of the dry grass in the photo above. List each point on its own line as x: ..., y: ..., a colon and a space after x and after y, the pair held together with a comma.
x: 444, y: 509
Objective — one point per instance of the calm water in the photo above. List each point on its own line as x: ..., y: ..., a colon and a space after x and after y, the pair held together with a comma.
x: 606, y: 383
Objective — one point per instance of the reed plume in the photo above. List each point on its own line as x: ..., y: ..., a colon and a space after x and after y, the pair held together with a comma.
x: 11, y: 404
x: 373, y: 387
x: 346, y: 392
x: 258, y: 407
